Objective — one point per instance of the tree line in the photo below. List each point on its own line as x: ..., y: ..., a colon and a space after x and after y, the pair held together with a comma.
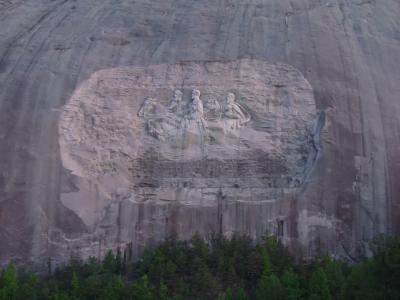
x: 220, y: 269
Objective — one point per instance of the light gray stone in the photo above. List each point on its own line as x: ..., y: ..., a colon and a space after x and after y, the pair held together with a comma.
x: 120, y: 152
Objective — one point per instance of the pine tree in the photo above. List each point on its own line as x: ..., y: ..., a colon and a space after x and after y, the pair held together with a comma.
x: 385, y: 265
x: 269, y: 286
x: 118, y: 262
x: 74, y: 286
x: 114, y: 290
x: 253, y: 269
x: 228, y: 294
x: 229, y: 276
x: 319, y: 287
x: 59, y: 295
x: 28, y: 287
x: 109, y: 262
x: 170, y: 275
x: 291, y: 285
x: 141, y: 289
x: 266, y: 262
x: 240, y: 294
x: 335, y: 277
x: 164, y: 293
x: 360, y: 284
x: 221, y: 296
x: 204, y: 285
x: 8, y: 283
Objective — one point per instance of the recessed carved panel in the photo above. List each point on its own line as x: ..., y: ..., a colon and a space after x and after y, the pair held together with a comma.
x: 188, y: 132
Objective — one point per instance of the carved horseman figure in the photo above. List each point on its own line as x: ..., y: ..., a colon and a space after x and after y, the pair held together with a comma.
x: 194, y: 119
x: 175, y: 106
x: 213, y: 110
x: 153, y: 113
x: 235, y: 116
x: 196, y: 109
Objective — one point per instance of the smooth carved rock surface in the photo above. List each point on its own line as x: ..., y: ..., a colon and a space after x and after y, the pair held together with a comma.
x: 255, y: 151
x: 53, y: 51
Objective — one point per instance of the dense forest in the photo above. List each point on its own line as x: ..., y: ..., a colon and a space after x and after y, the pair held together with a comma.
x: 219, y: 268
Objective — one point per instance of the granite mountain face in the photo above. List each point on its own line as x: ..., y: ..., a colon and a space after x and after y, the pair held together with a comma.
x: 132, y: 121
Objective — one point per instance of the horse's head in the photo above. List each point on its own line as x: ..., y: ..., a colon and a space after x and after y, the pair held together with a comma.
x: 148, y: 107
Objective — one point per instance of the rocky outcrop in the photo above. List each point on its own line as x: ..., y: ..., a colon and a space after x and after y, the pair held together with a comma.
x: 67, y: 184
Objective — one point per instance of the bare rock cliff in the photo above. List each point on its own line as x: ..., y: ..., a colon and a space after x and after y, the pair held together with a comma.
x: 132, y: 120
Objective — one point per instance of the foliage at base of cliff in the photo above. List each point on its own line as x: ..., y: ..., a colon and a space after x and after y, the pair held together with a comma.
x: 221, y: 268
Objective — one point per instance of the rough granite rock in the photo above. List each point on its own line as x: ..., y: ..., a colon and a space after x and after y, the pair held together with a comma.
x: 66, y: 62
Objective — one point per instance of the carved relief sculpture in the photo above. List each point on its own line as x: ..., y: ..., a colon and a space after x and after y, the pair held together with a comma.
x: 213, y: 110
x: 176, y: 120
x: 235, y: 117
x: 152, y: 112
x: 176, y: 106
